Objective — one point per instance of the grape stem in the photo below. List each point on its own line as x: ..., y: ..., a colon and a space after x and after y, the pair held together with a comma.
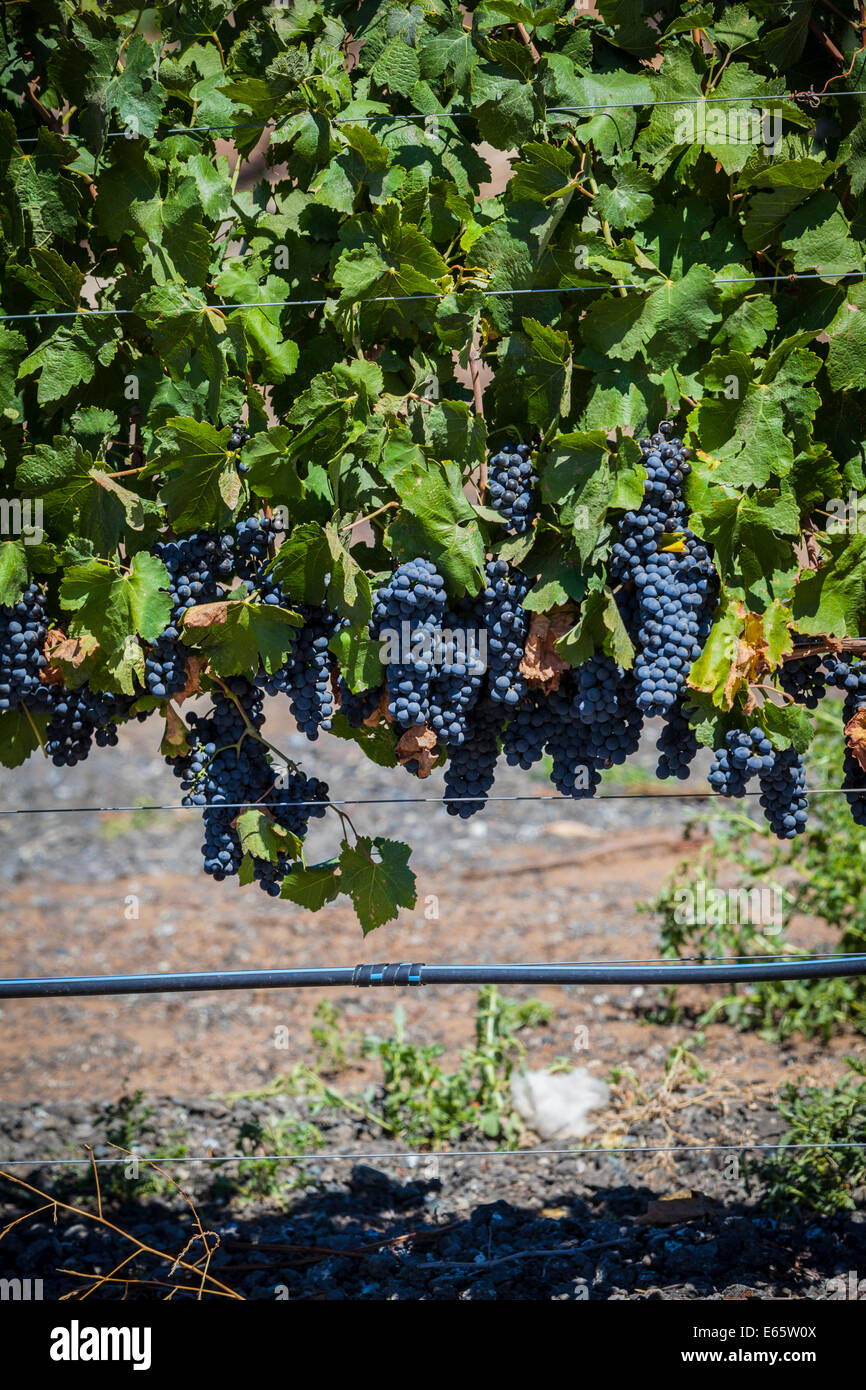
x: 774, y: 690
x: 818, y: 645
x: 39, y: 738
x: 526, y: 38
x: 252, y: 732
x: 250, y: 729
x: 361, y: 519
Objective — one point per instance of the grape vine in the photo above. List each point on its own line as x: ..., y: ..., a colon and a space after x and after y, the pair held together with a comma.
x: 471, y: 470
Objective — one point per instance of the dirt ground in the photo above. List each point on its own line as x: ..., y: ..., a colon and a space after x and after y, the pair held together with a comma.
x: 121, y: 891
x: 524, y: 881
x: 90, y: 892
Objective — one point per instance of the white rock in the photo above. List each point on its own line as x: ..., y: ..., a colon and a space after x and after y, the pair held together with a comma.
x: 556, y: 1106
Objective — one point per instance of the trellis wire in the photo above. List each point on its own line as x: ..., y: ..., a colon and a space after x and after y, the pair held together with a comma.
x: 419, y: 1156
x: 791, y: 278
x: 407, y: 800
x: 462, y: 113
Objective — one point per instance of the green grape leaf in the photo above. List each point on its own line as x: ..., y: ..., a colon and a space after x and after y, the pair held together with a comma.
x: 261, y: 838
x: 303, y: 563
x: 14, y: 572
x: 358, y: 655
x: 397, y: 67
x: 69, y: 357
x: 313, y: 885
x: 832, y: 600
x: 80, y: 496
x: 272, y: 469
x: 202, y: 484
x: 114, y: 606
x: 375, y: 874
x: 438, y: 521
x: 628, y: 198
x: 21, y: 733
x: 237, y: 634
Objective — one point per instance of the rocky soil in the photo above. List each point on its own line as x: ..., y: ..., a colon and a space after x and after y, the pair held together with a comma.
x: 96, y: 892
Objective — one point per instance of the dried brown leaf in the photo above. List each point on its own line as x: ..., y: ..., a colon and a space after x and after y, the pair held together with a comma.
x: 855, y: 737
x: 70, y: 651
x: 419, y: 743
x: 542, y: 665
x: 174, y: 741
x: 751, y: 661
x: 379, y: 713
x: 206, y: 614
x: 193, y: 666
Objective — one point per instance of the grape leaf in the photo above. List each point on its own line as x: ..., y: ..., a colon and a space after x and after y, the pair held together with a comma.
x: 69, y: 358
x: 313, y: 885
x: 261, y: 838
x: 303, y: 563
x: 375, y: 874
x: 201, y: 484
x: 114, y: 606
x: 832, y: 599
x: 14, y: 574
x: 18, y: 735
x: 238, y: 634
x: 358, y: 655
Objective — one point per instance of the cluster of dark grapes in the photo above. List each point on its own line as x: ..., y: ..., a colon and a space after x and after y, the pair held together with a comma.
x: 199, y: 567
x: 783, y: 794
x: 511, y: 479
x: 357, y: 707
x: 408, y: 616
x: 305, y: 676
x: 238, y: 439
x: 506, y: 623
x: 23, y: 629
x: 850, y: 676
x: 589, y: 723
x: 677, y: 745
x: 575, y: 769
x: 450, y: 670
x: 253, y: 542
x: 529, y: 730
x: 743, y: 754
x: 77, y: 718
x: 433, y: 670
x: 804, y: 680
x: 674, y: 579
x: 454, y: 668
x: 605, y: 701
x: 227, y: 768
x: 780, y: 773
x: 471, y: 765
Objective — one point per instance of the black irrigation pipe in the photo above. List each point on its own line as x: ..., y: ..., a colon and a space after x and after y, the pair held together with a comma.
x: 417, y: 973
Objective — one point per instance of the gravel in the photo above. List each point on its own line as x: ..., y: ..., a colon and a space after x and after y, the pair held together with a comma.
x: 383, y: 1224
